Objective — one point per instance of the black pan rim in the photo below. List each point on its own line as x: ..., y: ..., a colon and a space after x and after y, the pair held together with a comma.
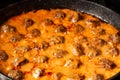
x: 113, y: 17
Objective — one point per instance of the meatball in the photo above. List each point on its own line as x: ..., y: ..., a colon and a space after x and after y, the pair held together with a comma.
x: 81, y: 40
x: 60, y: 28
x: 56, y: 76
x: 78, y: 28
x: 112, y: 51
x: 19, y: 61
x: 36, y: 47
x: 47, y: 22
x: 41, y: 59
x: 35, y: 33
x: 102, y: 31
x: 57, y: 40
x: 16, y: 38
x: 98, y: 42
x: 28, y: 22
x: 72, y: 63
x: 59, y: 53
x: 92, y: 23
x: 76, y: 77
x: 75, y: 17
x: 7, y: 28
x: 15, y: 74
x: 98, y: 77
x: 3, y: 55
x: 115, y: 38
x: 22, y: 49
x: 106, y: 64
x: 37, y: 72
x: 59, y: 15
x: 77, y: 49
x: 44, y: 45
x: 92, y: 52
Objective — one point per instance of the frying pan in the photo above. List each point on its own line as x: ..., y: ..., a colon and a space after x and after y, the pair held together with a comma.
x: 94, y: 9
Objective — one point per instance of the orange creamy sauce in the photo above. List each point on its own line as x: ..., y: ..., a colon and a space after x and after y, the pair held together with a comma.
x: 71, y: 62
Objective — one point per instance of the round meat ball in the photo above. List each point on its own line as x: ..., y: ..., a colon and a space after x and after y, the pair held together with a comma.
x: 37, y: 72
x: 28, y: 22
x: 106, y: 64
x: 35, y: 33
x: 44, y: 45
x: 48, y: 22
x: 57, y: 40
x: 15, y: 74
x: 56, y: 76
x: 60, y: 28
x: 7, y: 28
x: 75, y: 17
x: 59, y: 15
x: 3, y: 55
x: 97, y: 77
x: 59, y: 53
x: 92, y: 23
x: 16, y: 38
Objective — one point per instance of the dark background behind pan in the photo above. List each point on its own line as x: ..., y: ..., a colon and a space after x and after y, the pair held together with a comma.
x: 114, y: 5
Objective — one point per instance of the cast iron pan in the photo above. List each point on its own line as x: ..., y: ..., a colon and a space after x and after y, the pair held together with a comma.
x: 94, y: 9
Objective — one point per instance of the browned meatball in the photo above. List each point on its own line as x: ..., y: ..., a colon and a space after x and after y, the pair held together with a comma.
x: 78, y: 28
x: 75, y: 17
x: 81, y: 40
x: 112, y: 51
x: 35, y: 33
x: 115, y: 38
x: 15, y: 74
x: 22, y: 49
x: 73, y: 63
x: 98, y: 77
x: 98, y: 42
x: 36, y: 47
x: 56, y: 76
x: 44, y: 45
x: 102, y: 31
x: 107, y: 64
x: 7, y: 28
x: 37, y: 72
x: 47, y: 22
x: 92, y: 52
x: 76, y: 76
x: 60, y: 28
x: 28, y: 22
x: 19, y: 61
x: 77, y: 50
x: 59, y: 53
x: 57, y: 40
x: 41, y: 59
x: 59, y: 15
x: 16, y: 38
x: 3, y: 55
x: 92, y: 23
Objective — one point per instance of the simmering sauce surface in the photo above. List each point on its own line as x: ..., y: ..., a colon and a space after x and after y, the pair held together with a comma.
x: 60, y: 44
